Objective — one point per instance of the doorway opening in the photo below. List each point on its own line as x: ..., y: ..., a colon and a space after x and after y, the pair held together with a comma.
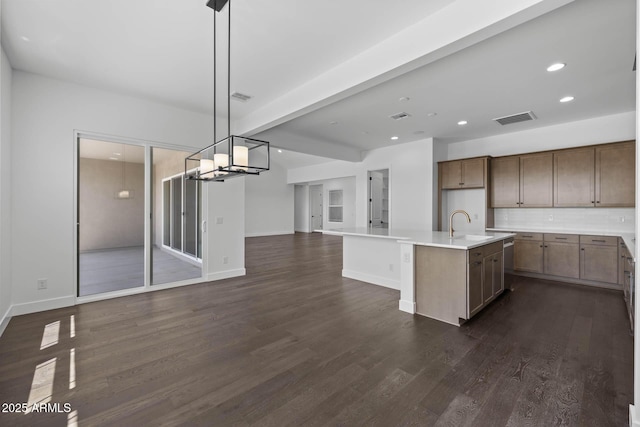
x: 315, y: 207
x: 378, y: 192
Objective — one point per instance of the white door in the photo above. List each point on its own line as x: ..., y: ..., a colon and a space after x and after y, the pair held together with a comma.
x: 315, y: 201
x: 375, y: 199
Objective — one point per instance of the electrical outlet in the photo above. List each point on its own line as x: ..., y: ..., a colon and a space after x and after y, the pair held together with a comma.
x: 505, y: 217
x: 621, y: 219
x: 390, y: 267
x: 225, y: 260
x: 406, y: 258
x: 42, y: 284
x: 219, y: 220
x: 550, y: 217
x: 475, y: 216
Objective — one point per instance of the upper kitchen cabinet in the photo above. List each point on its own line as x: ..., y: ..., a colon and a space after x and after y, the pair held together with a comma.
x: 615, y: 166
x: 505, y: 182
x: 522, y: 181
x: 468, y: 173
x: 536, y: 180
x: 573, y: 173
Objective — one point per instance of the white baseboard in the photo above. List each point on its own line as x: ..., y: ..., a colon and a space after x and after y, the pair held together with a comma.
x: 4, y: 320
x: 219, y: 275
x: 42, y: 305
x: 370, y: 278
x: 634, y: 417
x: 407, y: 306
x: 269, y: 233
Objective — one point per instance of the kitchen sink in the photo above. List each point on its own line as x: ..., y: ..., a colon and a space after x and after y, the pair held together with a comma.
x: 472, y: 237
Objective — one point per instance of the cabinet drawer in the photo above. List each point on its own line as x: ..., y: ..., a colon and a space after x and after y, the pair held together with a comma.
x: 561, y: 238
x: 529, y: 236
x: 599, y: 240
x: 491, y: 248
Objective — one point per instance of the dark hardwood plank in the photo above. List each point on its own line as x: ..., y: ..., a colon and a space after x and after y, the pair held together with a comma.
x: 294, y: 343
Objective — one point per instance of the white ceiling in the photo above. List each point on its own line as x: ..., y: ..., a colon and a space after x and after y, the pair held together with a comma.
x: 162, y: 50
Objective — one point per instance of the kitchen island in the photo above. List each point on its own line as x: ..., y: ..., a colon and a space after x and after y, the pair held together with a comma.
x: 426, y: 267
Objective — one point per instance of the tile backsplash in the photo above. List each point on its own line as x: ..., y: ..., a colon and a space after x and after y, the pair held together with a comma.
x: 568, y: 219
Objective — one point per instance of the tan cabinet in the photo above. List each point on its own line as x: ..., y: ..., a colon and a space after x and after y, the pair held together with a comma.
x: 536, y: 180
x: 476, y: 300
x: 522, y: 181
x: 468, y: 173
x: 505, y: 182
x: 562, y: 255
x: 528, y: 253
x: 615, y: 175
x: 573, y: 178
x: 599, y: 258
x: 493, y: 277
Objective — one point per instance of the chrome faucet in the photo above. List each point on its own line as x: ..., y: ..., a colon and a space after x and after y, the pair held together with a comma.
x: 451, y: 220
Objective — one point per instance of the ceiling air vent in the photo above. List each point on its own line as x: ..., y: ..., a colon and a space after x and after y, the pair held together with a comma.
x: 516, y: 118
x: 240, y: 96
x: 400, y: 116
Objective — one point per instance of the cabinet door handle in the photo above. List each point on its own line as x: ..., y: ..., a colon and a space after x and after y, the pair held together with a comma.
x: 477, y: 253
x: 540, y: 245
x: 561, y: 238
x: 546, y: 246
x: 527, y: 236
x: 461, y: 183
x: 495, y: 260
x: 598, y: 241
x: 477, y: 263
x: 598, y: 201
x: 582, y: 249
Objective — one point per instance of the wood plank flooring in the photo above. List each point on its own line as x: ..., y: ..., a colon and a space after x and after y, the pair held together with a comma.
x: 293, y: 343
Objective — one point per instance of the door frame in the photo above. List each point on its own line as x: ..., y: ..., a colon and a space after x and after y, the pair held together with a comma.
x: 148, y: 200
x: 384, y: 171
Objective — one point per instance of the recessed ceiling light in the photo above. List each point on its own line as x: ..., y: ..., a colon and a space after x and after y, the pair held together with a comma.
x: 555, y: 67
x: 462, y: 122
x: 117, y: 154
x: 404, y: 99
x: 113, y: 158
x: 418, y: 132
x: 334, y: 122
x: 25, y: 38
x: 432, y: 114
x: 567, y: 99
x: 279, y: 151
x: 394, y: 137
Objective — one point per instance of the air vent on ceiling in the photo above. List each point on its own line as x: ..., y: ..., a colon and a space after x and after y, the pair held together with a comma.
x: 240, y: 96
x: 400, y: 116
x: 516, y: 118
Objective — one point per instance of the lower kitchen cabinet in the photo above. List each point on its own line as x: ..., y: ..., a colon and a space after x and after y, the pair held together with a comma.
x: 476, y: 300
x: 528, y: 253
x: 579, y: 257
x: 599, y: 259
x: 493, y: 280
x: 562, y: 255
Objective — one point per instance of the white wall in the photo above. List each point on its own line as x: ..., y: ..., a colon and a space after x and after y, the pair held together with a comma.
x: 301, y: 207
x: 5, y: 187
x: 411, y: 182
x: 599, y: 130
x: 269, y: 203
x: 45, y: 114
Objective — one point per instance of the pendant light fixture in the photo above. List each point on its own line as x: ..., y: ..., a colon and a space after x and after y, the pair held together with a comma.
x: 124, y: 193
x: 233, y: 155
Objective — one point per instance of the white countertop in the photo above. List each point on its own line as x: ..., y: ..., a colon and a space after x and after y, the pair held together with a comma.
x: 628, y: 238
x: 439, y: 239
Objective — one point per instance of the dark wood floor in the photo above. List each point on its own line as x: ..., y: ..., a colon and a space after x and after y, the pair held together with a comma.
x: 293, y: 343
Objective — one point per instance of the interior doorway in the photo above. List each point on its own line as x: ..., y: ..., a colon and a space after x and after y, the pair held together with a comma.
x: 315, y: 207
x: 378, y: 192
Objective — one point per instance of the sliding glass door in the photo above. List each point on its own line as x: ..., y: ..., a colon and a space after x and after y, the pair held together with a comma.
x: 177, y: 232
x: 110, y: 217
x: 139, y: 219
